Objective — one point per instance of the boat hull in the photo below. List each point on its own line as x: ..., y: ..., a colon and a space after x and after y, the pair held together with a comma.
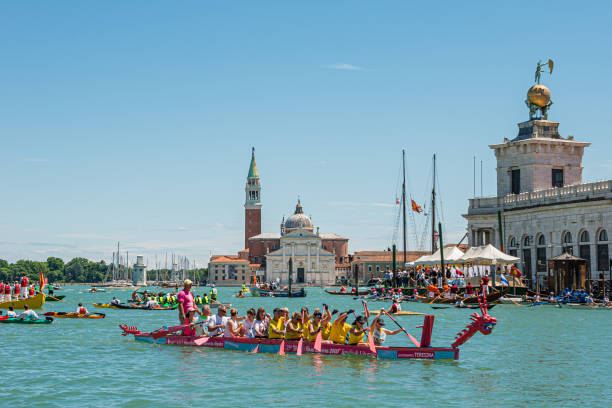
x: 57, y: 298
x: 35, y: 302
x: 5, y: 319
x: 347, y: 293
x: 277, y: 293
x: 61, y: 315
x: 131, y: 307
x: 273, y: 346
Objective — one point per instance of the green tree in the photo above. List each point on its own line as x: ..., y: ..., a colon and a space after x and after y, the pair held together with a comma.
x: 55, y: 264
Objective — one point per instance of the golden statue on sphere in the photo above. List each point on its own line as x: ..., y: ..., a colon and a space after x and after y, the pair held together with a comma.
x: 538, y: 96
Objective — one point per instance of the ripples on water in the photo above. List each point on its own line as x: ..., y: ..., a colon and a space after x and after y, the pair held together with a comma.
x: 540, y: 357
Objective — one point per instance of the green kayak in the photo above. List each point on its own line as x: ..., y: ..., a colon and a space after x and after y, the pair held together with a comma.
x: 6, y: 319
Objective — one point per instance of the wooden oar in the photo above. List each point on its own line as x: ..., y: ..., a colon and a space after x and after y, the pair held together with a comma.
x: 370, y: 336
x: 434, y: 299
x: 281, y: 349
x: 319, y: 338
x: 416, y: 343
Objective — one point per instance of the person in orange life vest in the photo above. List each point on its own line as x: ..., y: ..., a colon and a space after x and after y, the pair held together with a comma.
x: 24, y: 287
x: 82, y: 309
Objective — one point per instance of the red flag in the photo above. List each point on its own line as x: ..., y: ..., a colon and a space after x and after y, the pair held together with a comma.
x: 459, y: 273
x: 515, y: 272
x: 416, y: 207
x: 397, y: 201
x: 41, y: 281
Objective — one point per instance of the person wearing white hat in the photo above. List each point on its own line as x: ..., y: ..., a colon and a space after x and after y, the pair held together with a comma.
x: 186, y: 304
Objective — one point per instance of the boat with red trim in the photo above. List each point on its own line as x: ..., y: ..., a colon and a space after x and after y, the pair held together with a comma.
x: 422, y: 349
x: 347, y: 292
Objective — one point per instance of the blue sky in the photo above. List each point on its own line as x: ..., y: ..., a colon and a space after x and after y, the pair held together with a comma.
x: 133, y: 121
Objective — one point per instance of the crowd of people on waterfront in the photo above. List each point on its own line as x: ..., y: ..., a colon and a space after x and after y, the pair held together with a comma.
x: 332, y: 325
x: 21, y: 289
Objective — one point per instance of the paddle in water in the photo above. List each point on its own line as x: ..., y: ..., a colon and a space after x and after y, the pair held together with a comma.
x: 281, y: 349
x: 416, y: 343
x: 319, y: 338
x: 370, y: 336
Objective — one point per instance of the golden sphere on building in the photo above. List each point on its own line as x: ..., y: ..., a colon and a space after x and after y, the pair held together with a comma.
x: 538, y: 95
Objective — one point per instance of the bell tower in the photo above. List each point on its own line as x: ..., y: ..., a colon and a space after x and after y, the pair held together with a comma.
x: 252, y: 203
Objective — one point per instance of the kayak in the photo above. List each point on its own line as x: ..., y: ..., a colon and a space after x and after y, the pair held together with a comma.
x: 399, y: 313
x: 72, y: 315
x: 55, y: 298
x: 6, y: 319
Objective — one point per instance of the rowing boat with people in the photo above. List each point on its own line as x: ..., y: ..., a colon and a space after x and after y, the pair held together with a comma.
x: 184, y: 335
x: 278, y: 293
x: 132, y: 307
x: 347, y: 293
x: 72, y: 315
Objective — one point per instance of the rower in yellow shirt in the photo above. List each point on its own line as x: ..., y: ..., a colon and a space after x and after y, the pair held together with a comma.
x: 294, y: 327
x: 357, y: 330
x: 340, y: 328
x: 276, y: 327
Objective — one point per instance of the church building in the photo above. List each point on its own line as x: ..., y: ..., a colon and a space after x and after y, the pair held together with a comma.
x: 315, y: 255
x: 542, y: 208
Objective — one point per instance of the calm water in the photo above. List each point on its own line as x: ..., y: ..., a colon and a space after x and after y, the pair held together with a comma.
x: 540, y: 356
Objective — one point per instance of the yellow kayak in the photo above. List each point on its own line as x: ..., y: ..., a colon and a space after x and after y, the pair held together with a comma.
x: 35, y: 302
x: 400, y: 313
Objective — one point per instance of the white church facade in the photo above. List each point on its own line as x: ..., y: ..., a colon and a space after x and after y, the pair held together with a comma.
x: 311, y: 263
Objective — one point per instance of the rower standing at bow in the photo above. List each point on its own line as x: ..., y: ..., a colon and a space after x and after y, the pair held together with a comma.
x: 186, y: 304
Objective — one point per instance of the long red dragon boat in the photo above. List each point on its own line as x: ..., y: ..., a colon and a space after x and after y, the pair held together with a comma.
x: 422, y: 349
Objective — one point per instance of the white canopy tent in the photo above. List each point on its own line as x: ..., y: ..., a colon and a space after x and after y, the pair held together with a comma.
x: 451, y: 256
x: 487, y: 255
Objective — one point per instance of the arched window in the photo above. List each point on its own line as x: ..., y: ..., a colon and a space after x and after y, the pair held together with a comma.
x: 527, y: 241
x: 603, y: 235
x: 567, y: 238
x: 584, y: 236
x: 541, y: 240
x: 513, y: 242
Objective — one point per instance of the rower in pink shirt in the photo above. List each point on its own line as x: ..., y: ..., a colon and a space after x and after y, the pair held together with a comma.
x: 187, y: 307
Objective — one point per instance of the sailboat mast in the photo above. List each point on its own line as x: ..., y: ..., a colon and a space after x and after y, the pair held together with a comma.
x: 404, y: 201
x: 433, y: 208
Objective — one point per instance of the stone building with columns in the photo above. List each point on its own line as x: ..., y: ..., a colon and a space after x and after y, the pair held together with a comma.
x: 311, y: 262
x: 543, y: 207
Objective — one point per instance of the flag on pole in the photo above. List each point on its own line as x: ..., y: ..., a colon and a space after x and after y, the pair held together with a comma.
x: 416, y: 207
x: 41, y: 281
x: 503, y: 279
x: 397, y: 201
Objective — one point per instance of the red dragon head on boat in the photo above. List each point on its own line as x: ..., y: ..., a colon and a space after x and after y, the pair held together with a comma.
x: 483, y: 324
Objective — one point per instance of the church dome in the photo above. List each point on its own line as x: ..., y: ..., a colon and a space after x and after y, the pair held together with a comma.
x: 298, y: 220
